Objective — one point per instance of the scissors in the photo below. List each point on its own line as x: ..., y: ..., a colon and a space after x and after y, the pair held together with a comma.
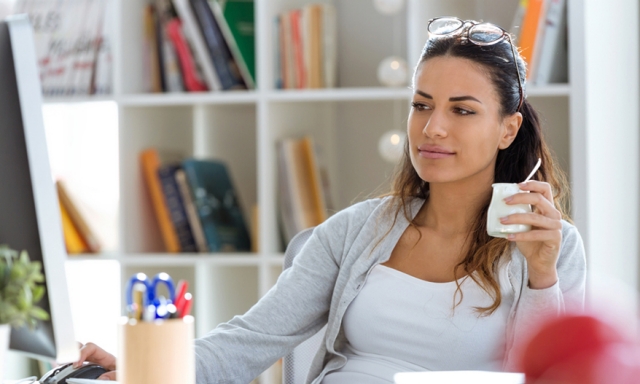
x: 152, y: 306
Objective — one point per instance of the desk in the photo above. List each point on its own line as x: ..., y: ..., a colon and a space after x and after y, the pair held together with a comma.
x: 459, y: 377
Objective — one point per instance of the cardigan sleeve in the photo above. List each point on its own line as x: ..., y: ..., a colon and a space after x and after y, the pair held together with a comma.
x: 535, y: 305
x: 293, y: 310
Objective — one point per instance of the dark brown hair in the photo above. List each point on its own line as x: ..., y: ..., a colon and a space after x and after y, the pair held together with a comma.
x: 513, y: 164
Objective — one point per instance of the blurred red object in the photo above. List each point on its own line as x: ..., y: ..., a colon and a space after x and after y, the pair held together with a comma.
x: 580, y: 349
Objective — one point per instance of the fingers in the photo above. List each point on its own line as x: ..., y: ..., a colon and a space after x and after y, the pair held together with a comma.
x: 85, y: 351
x: 538, y: 200
x: 92, y: 353
x: 108, y: 376
x: 551, y: 237
x: 534, y: 219
x: 540, y: 187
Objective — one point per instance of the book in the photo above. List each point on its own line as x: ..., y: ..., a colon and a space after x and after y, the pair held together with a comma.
x: 150, y: 161
x: 192, y: 212
x: 81, y: 67
x: 225, y: 65
x: 176, y: 207
x: 314, y: 179
x: 313, y: 45
x: 168, y: 58
x: 552, y: 61
x: 301, y: 192
x: 306, y: 47
x: 239, y: 15
x: 277, y: 42
x: 298, y: 48
x: 529, y: 32
x: 194, y: 36
x: 79, y: 223
x: 516, y: 24
x: 330, y: 45
x: 538, y: 44
x: 68, y: 35
x: 286, y: 194
x: 288, y: 56
x: 230, y: 40
x: 190, y: 76
x: 218, y: 206
x: 151, y: 54
x: 72, y: 239
x: 101, y: 79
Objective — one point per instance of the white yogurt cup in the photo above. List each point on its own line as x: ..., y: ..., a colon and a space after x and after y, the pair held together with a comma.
x: 499, y: 208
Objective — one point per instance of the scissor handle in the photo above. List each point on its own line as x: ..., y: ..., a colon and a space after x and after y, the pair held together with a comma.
x: 138, y: 278
x: 161, y: 277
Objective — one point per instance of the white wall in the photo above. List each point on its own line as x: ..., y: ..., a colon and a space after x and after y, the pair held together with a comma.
x: 607, y: 208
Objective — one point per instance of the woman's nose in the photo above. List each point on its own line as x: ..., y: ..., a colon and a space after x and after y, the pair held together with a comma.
x: 435, y: 126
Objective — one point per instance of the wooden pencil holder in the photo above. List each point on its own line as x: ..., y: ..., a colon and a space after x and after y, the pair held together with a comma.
x: 161, y: 351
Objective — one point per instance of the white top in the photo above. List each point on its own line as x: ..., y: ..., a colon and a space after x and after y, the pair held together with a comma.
x: 401, y: 323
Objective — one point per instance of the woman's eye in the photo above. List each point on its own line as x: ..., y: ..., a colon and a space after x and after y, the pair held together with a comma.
x: 463, y: 112
x: 419, y: 106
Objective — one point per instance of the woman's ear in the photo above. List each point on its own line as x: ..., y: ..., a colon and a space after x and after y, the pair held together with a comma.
x: 511, y: 125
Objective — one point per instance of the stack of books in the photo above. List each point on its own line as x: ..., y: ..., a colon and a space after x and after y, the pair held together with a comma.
x: 303, y: 186
x: 306, y: 47
x: 540, y: 27
x: 199, y: 45
x: 78, y: 236
x: 72, y: 45
x: 195, y: 205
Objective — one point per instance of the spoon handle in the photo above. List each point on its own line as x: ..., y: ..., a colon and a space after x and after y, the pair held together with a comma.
x: 534, y: 170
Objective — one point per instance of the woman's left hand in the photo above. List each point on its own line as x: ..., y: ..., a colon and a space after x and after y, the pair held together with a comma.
x: 541, y: 245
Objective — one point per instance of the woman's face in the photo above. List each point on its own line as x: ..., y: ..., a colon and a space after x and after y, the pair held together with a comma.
x: 455, y: 128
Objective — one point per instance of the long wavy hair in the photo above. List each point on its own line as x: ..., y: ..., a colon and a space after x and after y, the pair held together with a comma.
x: 513, y: 164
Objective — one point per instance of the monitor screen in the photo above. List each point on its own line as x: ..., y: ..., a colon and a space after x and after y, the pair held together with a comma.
x: 29, y: 213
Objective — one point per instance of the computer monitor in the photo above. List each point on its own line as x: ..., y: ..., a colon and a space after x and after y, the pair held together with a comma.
x: 29, y: 212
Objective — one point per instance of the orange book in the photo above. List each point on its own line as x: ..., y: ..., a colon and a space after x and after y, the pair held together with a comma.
x: 314, y: 46
x: 72, y: 239
x: 76, y: 218
x: 298, y: 49
x: 150, y: 164
x: 529, y: 30
x: 314, y: 179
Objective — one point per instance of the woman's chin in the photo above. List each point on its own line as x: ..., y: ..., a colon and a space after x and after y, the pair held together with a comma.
x: 437, y: 177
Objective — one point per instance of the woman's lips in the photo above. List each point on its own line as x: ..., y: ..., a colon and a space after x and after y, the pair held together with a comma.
x: 434, y: 152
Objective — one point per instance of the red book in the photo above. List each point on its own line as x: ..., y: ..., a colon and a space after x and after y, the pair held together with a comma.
x: 192, y: 80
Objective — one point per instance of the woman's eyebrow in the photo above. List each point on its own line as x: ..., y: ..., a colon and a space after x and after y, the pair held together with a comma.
x: 463, y: 98
x: 457, y: 98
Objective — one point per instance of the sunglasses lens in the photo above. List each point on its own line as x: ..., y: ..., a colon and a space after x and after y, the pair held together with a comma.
x: 485, y: 33
x: 444, y: 26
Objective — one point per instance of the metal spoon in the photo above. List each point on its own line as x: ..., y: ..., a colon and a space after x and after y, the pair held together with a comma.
x: 534, y: 170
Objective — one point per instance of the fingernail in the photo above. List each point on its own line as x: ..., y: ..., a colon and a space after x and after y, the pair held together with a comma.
x: 508, y: 199
x: 504, y: 219
x: 511, y: 237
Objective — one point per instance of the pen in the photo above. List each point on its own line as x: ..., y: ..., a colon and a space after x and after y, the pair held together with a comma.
x: 186, y: 307
x: 181, y: 289
x: 138, y: 298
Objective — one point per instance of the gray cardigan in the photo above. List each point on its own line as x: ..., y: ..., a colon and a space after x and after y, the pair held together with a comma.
x: 327, y: 275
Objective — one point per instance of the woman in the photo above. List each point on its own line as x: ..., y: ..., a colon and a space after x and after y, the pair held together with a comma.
x: 411, y: 280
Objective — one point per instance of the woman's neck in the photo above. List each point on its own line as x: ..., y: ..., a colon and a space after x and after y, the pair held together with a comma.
x: 452, y: 208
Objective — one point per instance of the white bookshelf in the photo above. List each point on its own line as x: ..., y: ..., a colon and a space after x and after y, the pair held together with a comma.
x: 243, y: 127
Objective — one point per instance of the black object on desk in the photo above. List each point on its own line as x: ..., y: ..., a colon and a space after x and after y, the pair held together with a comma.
x: 59, y: 375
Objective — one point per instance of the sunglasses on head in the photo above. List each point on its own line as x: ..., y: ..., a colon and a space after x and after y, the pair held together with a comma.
x: 482, y: 34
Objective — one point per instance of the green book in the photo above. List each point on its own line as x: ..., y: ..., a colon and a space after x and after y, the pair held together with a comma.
x: 217, y: 205
x: 239, y: 16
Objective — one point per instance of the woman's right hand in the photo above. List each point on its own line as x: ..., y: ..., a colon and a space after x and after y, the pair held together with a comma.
x: 94, y: 354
